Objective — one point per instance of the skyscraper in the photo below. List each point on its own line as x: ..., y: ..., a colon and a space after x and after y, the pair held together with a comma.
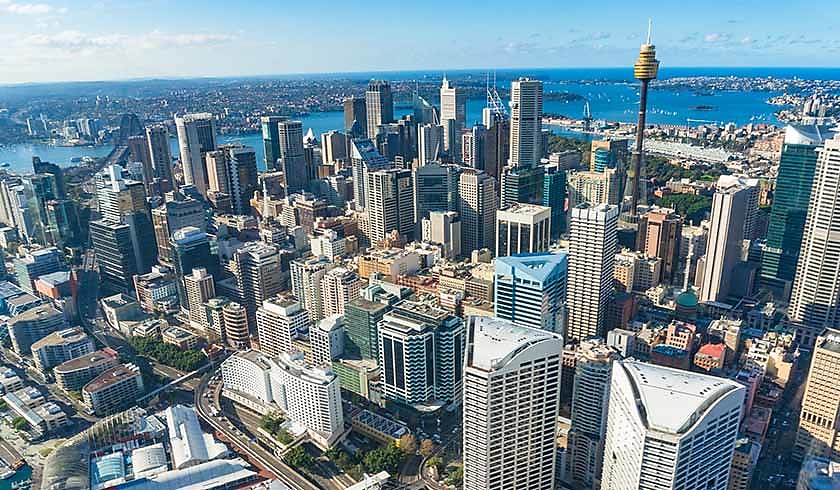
x: 271, y: 140
x: 355, y: 112
x: 791, y: 197
x: 521, y: 185
x: 256, y: 270
x: 115, y: 255
x: 379, y: 106
x: 530, y: 290
x: 196, y: 136
x: 339, y: 286
x: 477, y: 207
x: 522, y: 228
x: 160, y: 154
x: 818, y: 434
x: 429, y: 143
x: 292, y: 160
x: 307, y: 277
x: 390, y: 203
x: 362, y: 316
x: 733, y: 208
x: 660, y: 232
x: 473, y: 144
x: 232, y: 169
x: 645, y: 69
x: 526, y: 104
x: 453, y: 107
x: 554, y: 197
x: 333, y: 148
x: 279, y: 321
x: 669, y: 429
x: 365, y: 158
x: 592, y: 246
x: 191, y: 250
x: 200, y: 288
x: 590, y: 398
x: 421, y: 354
x: 435, y: 189
x: 179, y: 211
x: 510, y: 428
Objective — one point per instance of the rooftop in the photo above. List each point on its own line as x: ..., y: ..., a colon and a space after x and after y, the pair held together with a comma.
x: 111, y: 377
x: 496, y: 341
x: 539, y: 267
x: 61, y: 337
x: 189, y: 443
x: 89, y: 360
x: 672, y: 400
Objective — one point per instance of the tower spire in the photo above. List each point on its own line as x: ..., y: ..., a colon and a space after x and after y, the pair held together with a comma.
x: 650, y: 26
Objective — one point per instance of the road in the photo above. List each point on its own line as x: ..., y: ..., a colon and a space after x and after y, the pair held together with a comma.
x: 265, y: 458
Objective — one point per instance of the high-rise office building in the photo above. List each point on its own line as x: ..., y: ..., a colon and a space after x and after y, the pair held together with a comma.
x: 355, y: 111
x: 510, y: 428
x: 41, y: 167
x: 33, y: 325
x: 453, y: 107
x: 477, y: 207
x: 554, y: 197
x: 669, y: 429
x: 237, y: 330
x: 160, y: 154
x: 522, y: 228
x: 435, y: 189
x: 526, y: 104
x: 791, y: 197
x: 327, y: 340
x: 818, y: 434
x: 590, y: 397
x: 733, y: 208
x: 660, y: 232
x: 365, y: 158
x: 390, y: 195
x: 338, y: 287
x: 362, y: 316
x: 114, y: 255
x: 200, y: 288
x: 279, y: 321
x: 138, y: 147
x: 443, y: 228
x: 379, y: 106
x: 530, y: 290
x: 307, y: 276
x: 191, y: 250
x: 232, y: 169
x: 256, y: 269
x: 521, y: 185
x: 196, y: 136
x: 592, y: 245
x: 473, y: 143
x: 177, y: 212
x: 271, y: 140
x: 421, y: 354
x: 333, y: 148
x: 815, y: 301
x: 292, y: 160
x: 594, y: 187
x: 429, y: 143
x: 36, y: 263
x: 608, y: 153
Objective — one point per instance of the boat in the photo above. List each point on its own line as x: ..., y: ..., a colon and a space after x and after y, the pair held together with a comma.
x: 18, y: 464
x: 7, y: 473
x: 4, y: 164
x: 22, y: 484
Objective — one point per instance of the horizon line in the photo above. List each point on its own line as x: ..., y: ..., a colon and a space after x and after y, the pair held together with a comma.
x: 358, y: 72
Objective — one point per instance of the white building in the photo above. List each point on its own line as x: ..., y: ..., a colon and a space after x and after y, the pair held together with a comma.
x: 669, y: 429
x: 429, y: 143
x: 339, y: 286
x: 522, y: 228
x: 189, y: 444
x: 196, y: 136
x: 310, y: 396
x: 592, y: 244
x: 328, y: 244
x: 327, y: 340
x: 390, y: 202
x: 279, y: 321
x: 443, y: 228
x: 510, y: 427
x: 815, y: 301
x: 307, y: 275
x: 200, y: 288
x: 246, y: 379
x: 526, y: 104
x: 453, y: 117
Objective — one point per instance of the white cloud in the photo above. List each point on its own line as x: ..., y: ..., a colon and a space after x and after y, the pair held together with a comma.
x: 72, y: 40
x: 746, y: 40
x: 716, y: 37
x: 29, y: 8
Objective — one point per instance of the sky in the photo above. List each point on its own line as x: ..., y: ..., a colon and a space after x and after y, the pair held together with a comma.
x: 63, y: 40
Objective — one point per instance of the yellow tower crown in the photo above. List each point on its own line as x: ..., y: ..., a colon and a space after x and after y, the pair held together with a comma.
x: 646, y: 66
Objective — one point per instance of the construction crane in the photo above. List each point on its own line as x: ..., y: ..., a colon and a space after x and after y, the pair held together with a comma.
x: 494, y: 102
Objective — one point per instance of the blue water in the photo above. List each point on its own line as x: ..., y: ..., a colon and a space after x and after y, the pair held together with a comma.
x: 22, y: 474
x: 614, y: 100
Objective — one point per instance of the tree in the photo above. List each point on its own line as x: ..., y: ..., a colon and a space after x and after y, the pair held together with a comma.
x: 456, y: 477
x: 297, y: 457
x: 20, y: 423
x: 692, y: 207
x: 388, y: 458
x: 437, y: 462
x: 408, y: 444
x: 427, y: 447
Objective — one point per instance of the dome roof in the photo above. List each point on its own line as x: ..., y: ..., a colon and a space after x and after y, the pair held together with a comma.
x: 687, y: 299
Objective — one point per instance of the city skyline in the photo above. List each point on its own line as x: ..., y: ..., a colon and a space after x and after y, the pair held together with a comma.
x: 260, y: 39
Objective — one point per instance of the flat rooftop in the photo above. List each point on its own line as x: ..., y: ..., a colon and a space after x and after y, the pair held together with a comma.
x: 496, y: 341
x: 110, y: 377
x: 83, y: 362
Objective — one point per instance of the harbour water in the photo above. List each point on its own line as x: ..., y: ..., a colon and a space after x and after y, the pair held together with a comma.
x: 22, y: 474
x: 611, y: 94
